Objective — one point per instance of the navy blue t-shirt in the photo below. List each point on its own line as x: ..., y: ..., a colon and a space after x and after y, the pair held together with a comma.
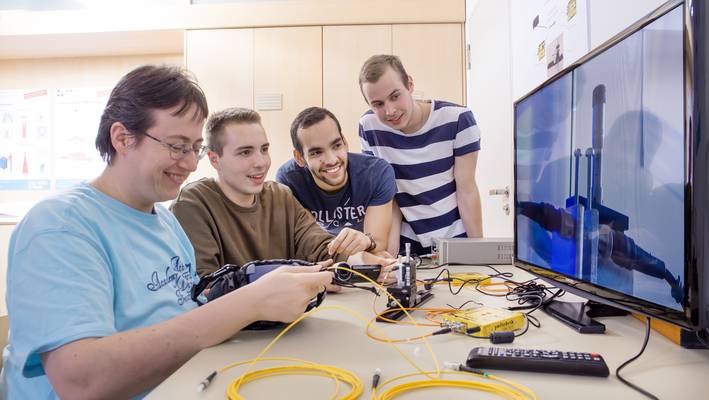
x: 371, y: 183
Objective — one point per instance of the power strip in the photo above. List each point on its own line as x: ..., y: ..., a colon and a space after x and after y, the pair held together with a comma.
x: 474, y: 251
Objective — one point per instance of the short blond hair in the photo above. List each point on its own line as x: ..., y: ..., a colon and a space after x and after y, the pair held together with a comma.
x: 376, y: 65
x: 219, y: 120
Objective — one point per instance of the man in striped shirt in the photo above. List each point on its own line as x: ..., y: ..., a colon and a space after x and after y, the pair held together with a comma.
x: 433, y: 147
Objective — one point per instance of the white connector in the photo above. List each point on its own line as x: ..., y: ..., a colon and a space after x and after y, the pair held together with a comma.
x: 451, y: 365
x: 203, y: 385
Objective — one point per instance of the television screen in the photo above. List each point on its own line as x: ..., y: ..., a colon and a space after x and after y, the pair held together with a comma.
x: 600, y: 168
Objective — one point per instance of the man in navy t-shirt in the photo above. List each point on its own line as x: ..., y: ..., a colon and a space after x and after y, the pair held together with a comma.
x: 350, y: 195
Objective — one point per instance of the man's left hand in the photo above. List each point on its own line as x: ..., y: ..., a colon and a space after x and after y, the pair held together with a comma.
x: 331, y: 287
x: 386, y: 275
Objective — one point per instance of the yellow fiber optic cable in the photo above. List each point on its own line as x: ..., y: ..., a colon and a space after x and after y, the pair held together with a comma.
x: 237, y: 382
x: 508, y: 390
x: 512, y: 391
x: 339, y: 375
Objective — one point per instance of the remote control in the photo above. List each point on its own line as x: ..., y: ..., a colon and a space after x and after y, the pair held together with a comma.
x: 550, y: 361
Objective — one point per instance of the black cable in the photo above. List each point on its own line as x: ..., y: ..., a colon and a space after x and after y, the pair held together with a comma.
x: 523, y: 292
x: 353, y: 286
x: 700, y: 339
x: 534, y: 321
x: 497, y: 271
x: 617, y: 371
x: 464, y: 304
x: 531, y: 292
x: 531, y: 320
x: 450, y: 279
x: 431, y: 266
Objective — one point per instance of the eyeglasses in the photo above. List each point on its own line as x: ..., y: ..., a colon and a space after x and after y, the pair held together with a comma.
x: 178, y: 152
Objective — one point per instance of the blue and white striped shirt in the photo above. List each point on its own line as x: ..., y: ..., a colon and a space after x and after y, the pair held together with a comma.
x: 423, y: 166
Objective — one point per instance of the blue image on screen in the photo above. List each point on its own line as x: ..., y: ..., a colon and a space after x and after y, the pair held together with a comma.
x: 599, y: 166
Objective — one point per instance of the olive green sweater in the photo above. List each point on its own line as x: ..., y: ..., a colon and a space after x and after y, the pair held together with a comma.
x: 222, y: 232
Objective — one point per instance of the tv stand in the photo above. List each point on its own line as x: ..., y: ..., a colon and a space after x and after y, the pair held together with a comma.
x: 595, y: 309
x: 579, y: 315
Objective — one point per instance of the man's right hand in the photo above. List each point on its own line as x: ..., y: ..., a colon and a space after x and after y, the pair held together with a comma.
x: 284, y: 293
x: 349, y: 241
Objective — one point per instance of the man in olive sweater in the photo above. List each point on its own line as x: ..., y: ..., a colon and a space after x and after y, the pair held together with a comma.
x: 239, y: 217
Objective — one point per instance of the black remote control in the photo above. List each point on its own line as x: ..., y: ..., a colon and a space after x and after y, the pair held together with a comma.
x: 550, y: 361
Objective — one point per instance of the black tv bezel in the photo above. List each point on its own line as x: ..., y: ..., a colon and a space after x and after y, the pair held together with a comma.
x: 694, y: 312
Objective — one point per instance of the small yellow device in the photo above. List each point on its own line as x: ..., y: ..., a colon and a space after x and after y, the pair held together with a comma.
x: 488, y: 319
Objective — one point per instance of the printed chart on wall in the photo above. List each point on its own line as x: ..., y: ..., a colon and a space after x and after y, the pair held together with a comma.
x: 47, y: 137
x: 76, y: 117
x: 25, y: 141
x: 547, y: 36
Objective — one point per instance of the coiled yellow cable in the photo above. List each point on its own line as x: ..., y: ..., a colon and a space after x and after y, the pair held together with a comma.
x: 339, y: 375
x: 233, y: 388
x: 509, y: 390
x: 356, y: 388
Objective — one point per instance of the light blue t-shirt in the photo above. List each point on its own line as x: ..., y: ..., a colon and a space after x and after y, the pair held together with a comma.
x: 82, y: 264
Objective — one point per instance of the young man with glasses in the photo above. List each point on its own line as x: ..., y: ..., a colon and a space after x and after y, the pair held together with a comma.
x: 239, y: 216
x: 99, y: 276
x: 180, y: 151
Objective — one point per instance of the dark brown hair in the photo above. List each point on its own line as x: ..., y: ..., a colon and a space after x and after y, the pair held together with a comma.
x: 307, y: 118
x: 142, y: 91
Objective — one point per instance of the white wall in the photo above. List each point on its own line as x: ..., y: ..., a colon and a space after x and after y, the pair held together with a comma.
x: 608, y: 17
x: 489, y: 96
x: 553, y: 23
x: 490, y: 83
x: 5, y: 232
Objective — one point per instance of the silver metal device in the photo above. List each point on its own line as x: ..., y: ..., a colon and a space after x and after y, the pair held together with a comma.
x: 474, y: 251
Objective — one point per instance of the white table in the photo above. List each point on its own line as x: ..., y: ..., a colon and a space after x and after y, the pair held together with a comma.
x: 336, y: 338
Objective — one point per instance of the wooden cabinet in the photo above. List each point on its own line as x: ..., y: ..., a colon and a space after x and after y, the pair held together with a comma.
x: 317, y: 66
x: 345, y: 49
x: 433, y: 56
x: 431, y: 53
x: 239, y: 67
x: 287, y: 63
x: 223, y: 62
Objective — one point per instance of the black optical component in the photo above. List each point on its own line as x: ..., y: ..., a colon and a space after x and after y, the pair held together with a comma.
x: 343, y: 276
x: 231, y: 277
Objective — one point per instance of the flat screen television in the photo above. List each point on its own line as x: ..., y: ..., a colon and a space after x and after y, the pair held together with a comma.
x: 611, y: 172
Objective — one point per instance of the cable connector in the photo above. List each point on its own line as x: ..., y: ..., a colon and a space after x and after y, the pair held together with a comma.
x: 472, y: 330
x: 375, y: 378
x: 451, y: 366
x: 463, y: 367
x: 203, y: 385
x: 442, y: 331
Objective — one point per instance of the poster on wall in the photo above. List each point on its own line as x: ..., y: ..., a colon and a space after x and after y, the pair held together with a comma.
x: 547, y: 36
x: 25, y: 140
x: 76, y: 118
